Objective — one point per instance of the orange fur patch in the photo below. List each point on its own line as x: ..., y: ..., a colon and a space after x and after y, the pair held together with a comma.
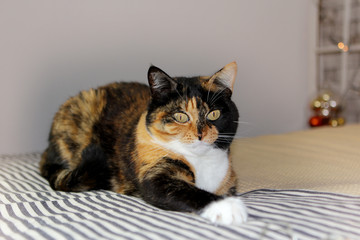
x: 148, y: 153
x: 74, y: 122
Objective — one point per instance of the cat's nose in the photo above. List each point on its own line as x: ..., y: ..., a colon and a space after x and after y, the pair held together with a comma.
x: 200, y: 136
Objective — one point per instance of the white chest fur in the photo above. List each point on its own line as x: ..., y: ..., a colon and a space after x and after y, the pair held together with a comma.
x: 210, y: 164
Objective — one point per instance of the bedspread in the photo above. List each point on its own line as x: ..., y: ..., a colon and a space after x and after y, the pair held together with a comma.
x: 30, y: 209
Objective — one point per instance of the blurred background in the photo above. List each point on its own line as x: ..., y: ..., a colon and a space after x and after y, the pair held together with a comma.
x: 50, y: 50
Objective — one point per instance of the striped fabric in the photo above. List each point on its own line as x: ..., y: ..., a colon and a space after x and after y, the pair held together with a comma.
x: 29, y: 209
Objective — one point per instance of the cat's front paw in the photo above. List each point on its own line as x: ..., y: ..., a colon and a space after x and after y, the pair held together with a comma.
x: 230, y: 210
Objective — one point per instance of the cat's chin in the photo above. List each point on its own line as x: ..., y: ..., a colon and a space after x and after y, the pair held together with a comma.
x: 200, y: 146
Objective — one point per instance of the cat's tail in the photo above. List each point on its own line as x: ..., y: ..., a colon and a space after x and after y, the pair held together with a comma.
x: 92, y: 172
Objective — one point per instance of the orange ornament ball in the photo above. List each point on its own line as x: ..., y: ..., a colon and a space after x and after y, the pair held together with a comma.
x: 316, y: 121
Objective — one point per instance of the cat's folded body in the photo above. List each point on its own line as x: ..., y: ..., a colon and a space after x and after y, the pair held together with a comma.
x: 167, y: 143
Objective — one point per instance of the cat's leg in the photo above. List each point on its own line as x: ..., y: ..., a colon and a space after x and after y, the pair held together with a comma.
x: 169, y: 186
x: 91, y: 173
x: 51, y: 165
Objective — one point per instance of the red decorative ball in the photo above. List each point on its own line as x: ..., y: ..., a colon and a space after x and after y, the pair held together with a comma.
x: 317, y: 121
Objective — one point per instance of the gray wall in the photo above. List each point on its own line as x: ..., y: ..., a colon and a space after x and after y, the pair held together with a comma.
x: 52, y: 49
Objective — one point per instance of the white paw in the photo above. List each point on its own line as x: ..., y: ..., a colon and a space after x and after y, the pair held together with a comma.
x: 230, y: 210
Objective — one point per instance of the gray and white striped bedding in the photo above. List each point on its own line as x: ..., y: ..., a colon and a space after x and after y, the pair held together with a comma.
x: 30, y: 209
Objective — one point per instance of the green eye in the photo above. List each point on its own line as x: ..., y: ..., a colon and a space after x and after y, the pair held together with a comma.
x: 213, y: 115
x: 181, y: 117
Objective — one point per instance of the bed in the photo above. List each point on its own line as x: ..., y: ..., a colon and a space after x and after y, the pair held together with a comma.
x: 301, y: 185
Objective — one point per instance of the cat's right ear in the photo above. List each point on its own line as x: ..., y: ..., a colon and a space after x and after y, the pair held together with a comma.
x: 160, y: 83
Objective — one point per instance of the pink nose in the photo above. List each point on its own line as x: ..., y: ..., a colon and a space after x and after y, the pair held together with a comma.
x: 199, y: 136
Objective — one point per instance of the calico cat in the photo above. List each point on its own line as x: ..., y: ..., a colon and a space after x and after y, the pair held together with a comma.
x: 167, y: 143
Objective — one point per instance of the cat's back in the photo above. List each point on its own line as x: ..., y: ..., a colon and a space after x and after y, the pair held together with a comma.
x: 109, y: 101
x: 94, y: 115
x: 125, y: 103
x: 126, y: 95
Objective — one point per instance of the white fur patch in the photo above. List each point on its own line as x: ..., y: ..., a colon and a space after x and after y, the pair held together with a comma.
x: 228, y: 211
x: 211, y: 164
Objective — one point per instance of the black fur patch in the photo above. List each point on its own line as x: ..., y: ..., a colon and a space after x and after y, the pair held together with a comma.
x: 72, y: 145
x: 169, y: 193
x: 181, y: 165
x: 163, y: 189
x: 93, y: 171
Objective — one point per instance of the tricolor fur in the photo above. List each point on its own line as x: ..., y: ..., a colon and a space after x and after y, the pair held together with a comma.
x: 167, y: 143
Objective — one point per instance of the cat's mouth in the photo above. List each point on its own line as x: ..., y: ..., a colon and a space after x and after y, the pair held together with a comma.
x: 201, y: 147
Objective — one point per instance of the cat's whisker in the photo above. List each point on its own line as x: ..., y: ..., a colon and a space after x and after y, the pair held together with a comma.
x: 213, y: 97
x: 216, y: 96
x: 241, y: 122
x: 227, y: 134
x: 180, y: 94
x: 225, y: 137
x: 224, y: 142
x: 207, y: 98
x: 238, y: 134
x: 245, y: 126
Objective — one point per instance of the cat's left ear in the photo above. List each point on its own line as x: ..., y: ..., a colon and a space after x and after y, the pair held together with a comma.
x: 160, y: 83
x: 224, y: 78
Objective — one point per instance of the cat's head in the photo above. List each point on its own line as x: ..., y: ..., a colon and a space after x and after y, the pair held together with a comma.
x: 193, y: 110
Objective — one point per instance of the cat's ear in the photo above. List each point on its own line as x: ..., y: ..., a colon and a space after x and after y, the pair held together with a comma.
x: 160, y: 83
x: 224, y: 78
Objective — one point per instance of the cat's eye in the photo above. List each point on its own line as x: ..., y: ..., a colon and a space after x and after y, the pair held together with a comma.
x: 213, y: 115
x: 181, y: 117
